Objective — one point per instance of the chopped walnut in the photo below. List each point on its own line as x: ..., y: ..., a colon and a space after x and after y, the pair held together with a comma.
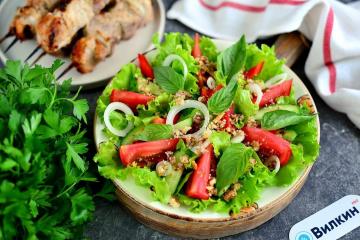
x: 252, y: 161
x: 231, y: 192
x: 211, y: 187
x: 245, y: 211
x: 251, y: 122
x: 306, y: 99
x: 255, y: 145
x: 180, y: 97
x: 174, y: 202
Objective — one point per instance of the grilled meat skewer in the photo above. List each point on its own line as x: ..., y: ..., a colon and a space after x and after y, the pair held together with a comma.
x: 106, y: 29
x: 26, y: 18
x: 55, y: 30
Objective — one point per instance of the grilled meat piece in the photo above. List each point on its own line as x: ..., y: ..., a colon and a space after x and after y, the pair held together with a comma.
x: 56, y: 30
x: 26, y: 17
x: 106, y: 29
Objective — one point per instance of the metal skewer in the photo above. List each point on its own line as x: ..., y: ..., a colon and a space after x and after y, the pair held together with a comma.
x: 65, y: 71
x: 9, y: 34
x: 38, y: 58
x: 33, y: 52
x: 11, y: 44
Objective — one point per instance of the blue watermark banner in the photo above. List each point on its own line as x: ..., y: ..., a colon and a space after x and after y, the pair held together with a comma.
x: 330, y: 223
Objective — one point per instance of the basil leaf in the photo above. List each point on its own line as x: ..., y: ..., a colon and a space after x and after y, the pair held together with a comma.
x: 168, y: 79
x: 232, y: 59
x: 222, y: 99
x: 153, y: 132
x: 282, y: 118
x: 232, y: 165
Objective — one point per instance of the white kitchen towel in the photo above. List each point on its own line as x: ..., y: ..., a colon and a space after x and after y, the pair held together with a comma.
x: 333, y: 64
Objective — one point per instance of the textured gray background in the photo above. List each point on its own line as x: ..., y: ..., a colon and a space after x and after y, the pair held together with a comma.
x: 335, y: 174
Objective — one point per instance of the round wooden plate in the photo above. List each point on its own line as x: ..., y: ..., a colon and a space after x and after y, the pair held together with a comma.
x: 208, y: 224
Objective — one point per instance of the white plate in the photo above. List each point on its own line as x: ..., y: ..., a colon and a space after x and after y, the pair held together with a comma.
x: 143, y: 195
x: 123, y: 52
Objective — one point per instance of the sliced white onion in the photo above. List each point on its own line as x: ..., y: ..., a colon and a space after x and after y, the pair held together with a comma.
x: 238, y: 138
x: 125, y: 109
x: 256, y: 90
x: 190, y: 104
x: 275, y: 80
x: 172, y: 57
x: 211, y: 83
x: 275, y: 159
x: 277, y: 166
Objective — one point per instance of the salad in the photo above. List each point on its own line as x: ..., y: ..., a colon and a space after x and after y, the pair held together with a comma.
x: 205, y: 129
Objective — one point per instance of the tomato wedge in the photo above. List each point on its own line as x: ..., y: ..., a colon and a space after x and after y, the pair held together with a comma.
x: 198, y: 181
x: 145, y: 66
x: 196, y: 52
x: 269, y: 143
x: 227, y: 117
x: 132, y: 99
x: 207, y: 92
x: 270, y: 95
x: 254, y: 71
x: 136, y: 151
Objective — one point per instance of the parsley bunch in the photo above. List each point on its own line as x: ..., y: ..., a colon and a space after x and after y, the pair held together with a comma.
x: 43, y: 173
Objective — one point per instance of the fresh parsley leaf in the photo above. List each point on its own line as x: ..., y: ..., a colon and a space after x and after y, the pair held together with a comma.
x: 222, y: 99
x: 74, y: 156
x: 282, y: 118
x: 153, y: 132
x: 232, y: 165
x: 82, y: 207
x: 14, y: 120
x: 80, y: 109
x: 42, y: 149
x: 232, y: 59
x: 169, y: 79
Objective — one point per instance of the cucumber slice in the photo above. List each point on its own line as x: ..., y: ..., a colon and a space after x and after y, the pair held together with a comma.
x: 290, y: 135
x: 130, y: 137
x: 173, y: 179
x: 261, y: 112
x: 183, y: 124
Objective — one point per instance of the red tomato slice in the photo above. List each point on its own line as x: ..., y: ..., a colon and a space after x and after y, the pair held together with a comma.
x: 198, y: 181
x: 159, y: 120
x: 227, y: 117
x: 196, y: 52
x: 207, y: 92
x: 132, y: 99
x: 254, y: 71
x: 270, y: 95
x: 145, y: 66
x: 146, y: 150
x: 269, y: 143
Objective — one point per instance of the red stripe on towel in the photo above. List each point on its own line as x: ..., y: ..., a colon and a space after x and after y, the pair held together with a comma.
x: 327, y: 50
x: 239, y: 6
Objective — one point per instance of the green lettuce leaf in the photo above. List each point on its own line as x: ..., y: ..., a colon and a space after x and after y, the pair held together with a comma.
x: 272, y: 65
x: 208, y: 48
x: 288, y: 173
x: 220, y: 141
x: 307, y: 137
x: 244, y: 104
x: 160, y: 106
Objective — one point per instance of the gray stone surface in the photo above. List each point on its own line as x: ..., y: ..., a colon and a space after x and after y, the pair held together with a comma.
x: 335, y: 174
